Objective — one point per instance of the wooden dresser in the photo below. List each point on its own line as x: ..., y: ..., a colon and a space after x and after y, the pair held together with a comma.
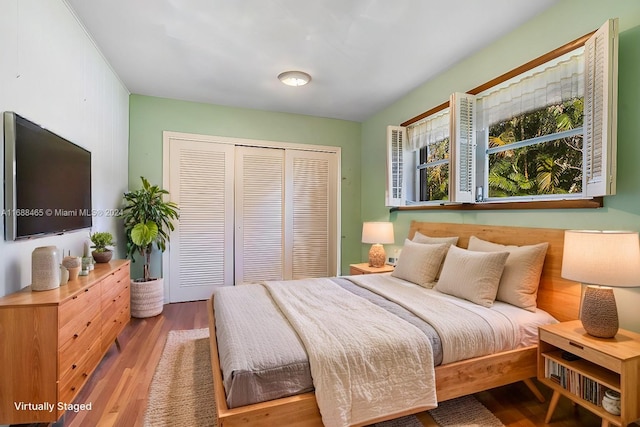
x: 51, y: 341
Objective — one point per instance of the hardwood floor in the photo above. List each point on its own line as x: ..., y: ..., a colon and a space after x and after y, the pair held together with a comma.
x: 119, y: 387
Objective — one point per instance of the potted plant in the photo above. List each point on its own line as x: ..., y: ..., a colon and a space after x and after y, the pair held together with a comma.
x: 101, y: 240
x: 147, y: 222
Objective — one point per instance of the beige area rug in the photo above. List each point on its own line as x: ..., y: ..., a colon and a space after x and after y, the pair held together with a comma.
x: 181, y: 393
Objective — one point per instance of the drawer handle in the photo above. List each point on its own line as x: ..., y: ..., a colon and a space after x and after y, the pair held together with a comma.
x: 73, y: 388
x: 74, y: 297
x: 89, y: 322
x: 576, y: 345
x: 74, y: 366
x: 84, y: 374
x: 75, y: 336
x: 86, y: 290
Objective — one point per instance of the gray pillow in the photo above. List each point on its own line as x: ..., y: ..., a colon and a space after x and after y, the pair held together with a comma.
x: 419, y: 263
x: 418, y: 237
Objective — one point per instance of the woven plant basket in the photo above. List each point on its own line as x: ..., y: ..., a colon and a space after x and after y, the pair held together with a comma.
x: 147, y: 298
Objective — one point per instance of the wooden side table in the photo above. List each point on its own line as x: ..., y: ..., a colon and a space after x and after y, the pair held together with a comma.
x: 364, y: 268
x: 602, y: 364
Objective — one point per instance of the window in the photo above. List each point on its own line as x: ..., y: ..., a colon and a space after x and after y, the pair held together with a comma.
x: 531, y: 131
x: 547, y: 133
x: 425, y: 162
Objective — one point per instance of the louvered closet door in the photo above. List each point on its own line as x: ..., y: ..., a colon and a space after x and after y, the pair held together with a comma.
x: 259, y: 214
x: 311, y: 214
x: 201, y: 248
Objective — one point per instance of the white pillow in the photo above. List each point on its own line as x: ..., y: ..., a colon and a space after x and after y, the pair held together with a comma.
x: 473, y: 276
x: 420, y: 263
x: 521, y: 275
x: 418, y: 237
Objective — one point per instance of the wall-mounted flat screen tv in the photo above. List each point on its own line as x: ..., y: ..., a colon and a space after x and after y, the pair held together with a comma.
x: 47, y: 181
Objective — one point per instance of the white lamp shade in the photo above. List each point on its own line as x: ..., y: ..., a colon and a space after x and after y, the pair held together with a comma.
x: 609, y: 258
x: 377, y: 232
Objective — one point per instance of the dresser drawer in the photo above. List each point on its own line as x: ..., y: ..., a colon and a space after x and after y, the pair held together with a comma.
x: 111, y: 328
x: 71, y: 308
x: 111, y: 308
x: 112, y: 294
x: 114, y: 283
x: 80, y: 323
x: 582, y: 351
x: 72, y: 381
x: 74, y: 350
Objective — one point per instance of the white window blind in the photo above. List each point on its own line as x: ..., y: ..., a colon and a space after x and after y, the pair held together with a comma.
x: 428, y: 131
x: 600, y: 111
x: 396, y: 142
x: 463, y: 145
x: 549, y: 84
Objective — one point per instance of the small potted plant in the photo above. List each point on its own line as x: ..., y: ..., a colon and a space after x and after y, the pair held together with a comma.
x: 101, y: 240
x: 147, y: 223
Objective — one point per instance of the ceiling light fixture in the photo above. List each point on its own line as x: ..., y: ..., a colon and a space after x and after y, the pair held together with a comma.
x: 294, y: 78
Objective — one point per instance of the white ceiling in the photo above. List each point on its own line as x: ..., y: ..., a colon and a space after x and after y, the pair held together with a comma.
x: 363, y: 55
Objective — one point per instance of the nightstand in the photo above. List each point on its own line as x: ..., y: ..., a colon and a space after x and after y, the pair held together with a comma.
x: 364, y: 268
x: 602, y: 364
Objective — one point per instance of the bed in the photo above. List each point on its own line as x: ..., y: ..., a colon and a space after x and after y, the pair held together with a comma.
x: 556, y: 296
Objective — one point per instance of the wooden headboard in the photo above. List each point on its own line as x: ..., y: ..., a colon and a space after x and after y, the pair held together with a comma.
x: 557, y: 296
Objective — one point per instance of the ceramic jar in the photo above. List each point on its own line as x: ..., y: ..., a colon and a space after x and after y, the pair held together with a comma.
x: 73, y: 264
x: 64, y: 275
x: 611, y: 402
x: 45, y: 268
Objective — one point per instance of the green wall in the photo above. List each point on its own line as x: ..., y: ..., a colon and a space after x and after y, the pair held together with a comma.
x: 150, y: 116
x: 566, y: 21
x: 364, y: 145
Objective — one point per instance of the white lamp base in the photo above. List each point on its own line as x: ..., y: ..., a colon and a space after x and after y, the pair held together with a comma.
x: 599, y: 313
x: 377, y: 255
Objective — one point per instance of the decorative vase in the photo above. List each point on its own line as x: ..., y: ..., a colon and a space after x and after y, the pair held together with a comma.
x: 73, y: 273
x: 45, y: 268
x: 104, y: 256
x: 73, y: 264
x: 64, y: 275
x: 147, y: 298
x: 611, y: 402
x: 87, y: 263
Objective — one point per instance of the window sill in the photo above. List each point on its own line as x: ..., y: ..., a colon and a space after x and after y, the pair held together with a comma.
x: 596, y: 202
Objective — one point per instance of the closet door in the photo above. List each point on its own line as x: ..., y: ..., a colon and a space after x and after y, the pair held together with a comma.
x: 311, y: 234
x: 259, y: 214
x: 201, y: 248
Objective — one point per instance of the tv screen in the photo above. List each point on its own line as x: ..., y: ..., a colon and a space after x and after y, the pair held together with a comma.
x: 47, y: 181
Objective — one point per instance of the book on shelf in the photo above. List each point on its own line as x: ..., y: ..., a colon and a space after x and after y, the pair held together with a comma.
x: 573, y: 381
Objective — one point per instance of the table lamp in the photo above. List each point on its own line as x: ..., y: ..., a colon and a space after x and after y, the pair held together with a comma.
x: 377, y: 233
x: 601, y: 260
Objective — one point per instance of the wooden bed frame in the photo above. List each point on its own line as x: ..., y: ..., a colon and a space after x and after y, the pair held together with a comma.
x: 557, y: 296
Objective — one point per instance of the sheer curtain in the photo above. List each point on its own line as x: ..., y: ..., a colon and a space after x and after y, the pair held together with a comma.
x: 429, y: 130
x: 550, y: 84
